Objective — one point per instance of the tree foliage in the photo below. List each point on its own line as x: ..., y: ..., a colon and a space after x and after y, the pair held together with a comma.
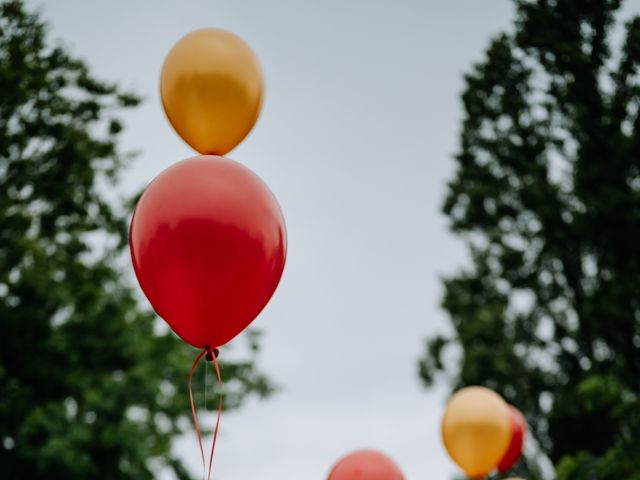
x: 89, y: 388
x: 547, y: 198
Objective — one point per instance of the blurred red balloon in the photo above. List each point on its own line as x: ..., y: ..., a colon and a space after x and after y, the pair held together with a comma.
x: 208, y: 245
x: 366, y: 465
x: 518, y: 431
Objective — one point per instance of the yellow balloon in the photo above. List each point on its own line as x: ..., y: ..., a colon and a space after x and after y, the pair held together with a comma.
x: 476, y: 430
x: 211, y: 86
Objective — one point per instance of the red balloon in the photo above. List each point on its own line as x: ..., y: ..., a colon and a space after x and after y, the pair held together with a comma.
x: 518, y: 431
x: 366, y: 465
x: 208, y: 245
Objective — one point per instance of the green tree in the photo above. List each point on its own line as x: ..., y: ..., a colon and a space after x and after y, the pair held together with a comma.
x: 547, y: 198
x: 88, y: 387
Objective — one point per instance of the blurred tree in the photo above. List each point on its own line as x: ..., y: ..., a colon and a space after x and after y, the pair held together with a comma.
x: 88, y: 387
x: 547, y: 197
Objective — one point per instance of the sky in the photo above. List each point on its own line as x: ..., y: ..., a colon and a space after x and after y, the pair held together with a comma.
x: 355, y: 139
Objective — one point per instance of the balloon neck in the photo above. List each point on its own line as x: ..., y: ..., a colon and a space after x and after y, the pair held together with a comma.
x: 211, y: 353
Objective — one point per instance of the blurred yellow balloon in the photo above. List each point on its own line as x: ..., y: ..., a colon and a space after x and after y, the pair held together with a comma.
x: 211, y: 86
x: 476, y: 430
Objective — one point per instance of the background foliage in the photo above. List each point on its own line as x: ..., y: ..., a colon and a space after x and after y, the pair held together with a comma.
x: 89, y: 388
x: 547, y: 198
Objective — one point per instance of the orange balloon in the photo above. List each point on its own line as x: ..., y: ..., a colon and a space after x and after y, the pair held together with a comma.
x: 366, y: 465
x: 212, y: 86
x: 476, y: 430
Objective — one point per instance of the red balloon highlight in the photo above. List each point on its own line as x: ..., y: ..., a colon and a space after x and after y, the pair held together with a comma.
x: 518, y: 431
x: 208, y: 246
x: 366, y: 465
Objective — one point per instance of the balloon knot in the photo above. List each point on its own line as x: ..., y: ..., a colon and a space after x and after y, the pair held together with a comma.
x: 211, y: 353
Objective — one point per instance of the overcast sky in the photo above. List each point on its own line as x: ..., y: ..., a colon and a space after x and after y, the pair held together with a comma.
x: 355, y: 139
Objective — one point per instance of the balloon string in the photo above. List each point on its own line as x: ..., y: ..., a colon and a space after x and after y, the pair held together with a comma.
x: 215, y: 432
x: 214, y: 358
x: 206, y: 384
x: 193, y: 407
